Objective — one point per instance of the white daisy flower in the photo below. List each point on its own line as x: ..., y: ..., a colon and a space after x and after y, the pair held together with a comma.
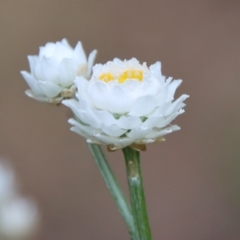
x: 53, y: 71
x: 125, y: 103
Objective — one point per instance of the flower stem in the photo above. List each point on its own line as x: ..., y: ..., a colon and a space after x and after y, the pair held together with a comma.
x: 139, y: 210
x: 114, y: 188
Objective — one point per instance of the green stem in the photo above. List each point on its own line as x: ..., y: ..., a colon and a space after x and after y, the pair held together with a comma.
x: 113, y: 187
x: 139, y: 210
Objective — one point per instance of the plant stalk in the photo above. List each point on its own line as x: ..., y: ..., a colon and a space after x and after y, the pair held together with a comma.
x: 135, y: 184
x: 114, y: 188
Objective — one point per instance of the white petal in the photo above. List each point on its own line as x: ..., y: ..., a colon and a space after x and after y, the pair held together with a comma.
x: 83, y: 111
x: 46, y: 50
x: 150, y: 87
x: 156, y: 72
x: 32, y: 83
x: 143, y: 106
x: 90, y: 119
x: 161, y: 109
x: 83, y: 130
x: 67, y: 70
x: 32, y: 60
x: 61, y: 51
x: 88, y: 114
x: 98, y: 93
x: 128, y: 122
x: 74, y: 105
x: 164, y: 121
x: 66, y: 43
x: 119, y: 100
x: 79, y: 54
x: 37, y: 71
x: 172, y: 88
x: 39, y: 98
x: 131, y: 86
x: 112, y: 130
x: 145, y: 141
x: 50, y: 89
x: 151, y: 122
x: 176, y: 105
x: 91, y: 59
x: 81, y: 83
x: 138, y: 133
x: 105, y: 117
x: 118, y: 142
x: 48, y: 70
x: 157, y: 134
x: 117, y: 61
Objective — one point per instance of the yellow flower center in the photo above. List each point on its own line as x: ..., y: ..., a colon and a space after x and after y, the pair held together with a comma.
x: 124, y: 76
x: 106, y: 77
x: 131, y: 74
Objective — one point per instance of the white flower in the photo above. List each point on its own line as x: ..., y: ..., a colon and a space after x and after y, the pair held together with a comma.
x: 18, y: 218
x: 54, y: 70
x: 125, y: 103
x: 7, y: 181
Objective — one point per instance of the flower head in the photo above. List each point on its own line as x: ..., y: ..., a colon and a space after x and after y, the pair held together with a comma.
x: 125, y: 103
x: 53, y: 71
x: 18, y: 218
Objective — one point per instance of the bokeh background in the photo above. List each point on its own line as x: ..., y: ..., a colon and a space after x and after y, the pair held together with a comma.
x: 192, y: 180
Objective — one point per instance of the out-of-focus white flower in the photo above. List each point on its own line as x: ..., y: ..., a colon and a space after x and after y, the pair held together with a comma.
x: 7, y: 182
x: 18, y: 219
x: 125, y: 103
x: 19, y: 216
x: 53, y: 71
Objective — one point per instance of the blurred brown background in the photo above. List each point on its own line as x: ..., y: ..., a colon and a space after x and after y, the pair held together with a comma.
x: 193, y: 180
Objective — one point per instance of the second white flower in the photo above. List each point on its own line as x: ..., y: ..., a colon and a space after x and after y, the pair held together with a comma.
x: 53, y: 71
